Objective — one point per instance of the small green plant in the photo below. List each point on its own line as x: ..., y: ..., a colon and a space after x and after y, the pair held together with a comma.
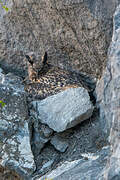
x: 3, y: 6
x: 2, y: 103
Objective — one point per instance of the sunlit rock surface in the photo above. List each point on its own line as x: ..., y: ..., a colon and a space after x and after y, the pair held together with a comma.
x: 15, y: 150
x: 64, y: 110
x: 108, y: 100
x: 88, y: 168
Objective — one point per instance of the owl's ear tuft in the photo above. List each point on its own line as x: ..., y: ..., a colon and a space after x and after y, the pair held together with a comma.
x: 44, y: 58
x: 29, y: 59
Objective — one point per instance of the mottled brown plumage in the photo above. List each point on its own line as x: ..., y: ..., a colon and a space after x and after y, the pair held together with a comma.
x: 7, y: 174
x: 46, y: 79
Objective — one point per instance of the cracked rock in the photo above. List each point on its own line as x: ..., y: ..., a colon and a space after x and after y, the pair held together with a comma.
x: 65, y: 109
x: 15, y: 149
x: 59, y: 143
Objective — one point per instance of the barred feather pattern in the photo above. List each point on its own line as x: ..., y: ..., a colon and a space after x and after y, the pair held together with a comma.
x: 51, y: 80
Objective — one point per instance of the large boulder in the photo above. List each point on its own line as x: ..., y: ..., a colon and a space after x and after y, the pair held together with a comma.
x: 15, y: 149
x: 75, y: 33
x: 64, y: 110
x: 108, y: 101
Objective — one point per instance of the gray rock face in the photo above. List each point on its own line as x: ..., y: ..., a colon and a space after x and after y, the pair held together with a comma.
x: 107, y: 88
x: 108, y: 99
x: 59, y: 143
x: 64, y: 110
x: 15, y: 149
x: 102, y: 9
x: 74, y: 32
x: 1, y: 70
x: 38, y: 142
x: 40, y: 135
x: 89, y: 168
x: 46, y: 131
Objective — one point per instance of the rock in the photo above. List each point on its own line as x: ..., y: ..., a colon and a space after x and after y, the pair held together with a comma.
x: 46, y: 130
x: 108, y: 101
x: 75, y: 33
x: 47, y: 160
x: 64, y: 110
x: 1, y: 77
x: 38, y: 143
x: 59, y: 143
x: 15, y: 149
x: 107, y: 89
x: 47, y: 165
x: 38, y: 140
x: 88, y: 168
x: 1, y: 70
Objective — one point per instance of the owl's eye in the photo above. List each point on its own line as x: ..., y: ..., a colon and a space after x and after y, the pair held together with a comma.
x: 27, y: 56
